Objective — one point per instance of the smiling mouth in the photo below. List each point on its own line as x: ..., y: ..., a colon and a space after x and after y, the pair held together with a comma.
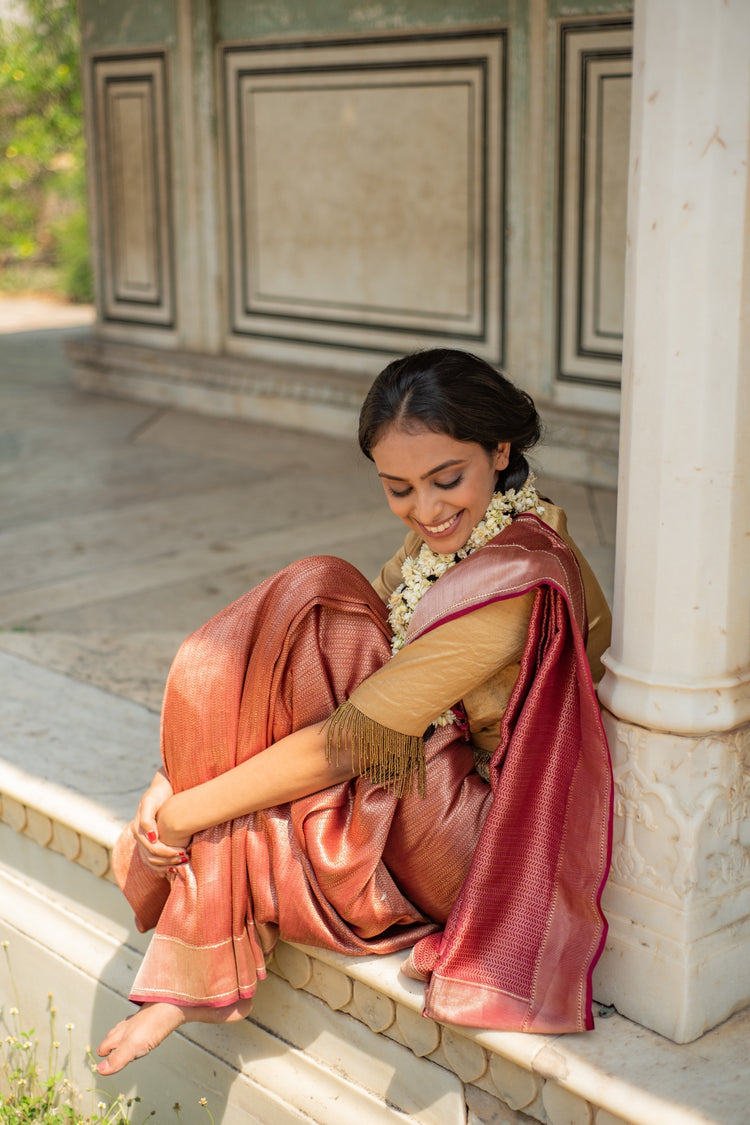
x: 445, y: 528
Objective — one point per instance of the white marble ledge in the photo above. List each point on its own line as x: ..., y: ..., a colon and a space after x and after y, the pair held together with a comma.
x: 42, y: 798
x: 57, y: 819
x: 618, y: 1073
x: 57, y: 790
x: 74, y: 745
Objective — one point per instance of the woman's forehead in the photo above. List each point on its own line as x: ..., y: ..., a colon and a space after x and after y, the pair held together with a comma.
x: 414, y: 453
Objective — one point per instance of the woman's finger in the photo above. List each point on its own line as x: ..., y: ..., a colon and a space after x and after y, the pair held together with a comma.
x: 164, y: 860
x: 144, y: 824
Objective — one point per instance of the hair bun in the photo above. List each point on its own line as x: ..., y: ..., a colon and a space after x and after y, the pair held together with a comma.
x: 454, y: 393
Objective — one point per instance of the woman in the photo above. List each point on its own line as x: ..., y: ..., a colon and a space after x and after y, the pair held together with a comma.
x: 431, y: 774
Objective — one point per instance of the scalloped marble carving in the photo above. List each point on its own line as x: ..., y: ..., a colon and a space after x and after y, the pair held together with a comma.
x: 58, y: 837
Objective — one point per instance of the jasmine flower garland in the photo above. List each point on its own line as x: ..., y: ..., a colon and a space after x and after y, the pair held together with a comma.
x: 419, y: 573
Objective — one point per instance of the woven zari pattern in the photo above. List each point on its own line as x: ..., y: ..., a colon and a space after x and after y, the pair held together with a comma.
x: 282, y: 657
x: 522, y: 939
x: 514, y: 872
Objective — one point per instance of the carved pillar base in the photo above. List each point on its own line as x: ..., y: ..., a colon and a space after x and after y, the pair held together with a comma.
x: 678, y: 896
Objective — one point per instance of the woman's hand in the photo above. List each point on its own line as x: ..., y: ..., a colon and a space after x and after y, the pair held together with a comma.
x: 157, y: 853
x: 169, y: 832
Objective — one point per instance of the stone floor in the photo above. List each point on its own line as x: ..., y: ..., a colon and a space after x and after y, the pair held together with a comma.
x: 124, y: 526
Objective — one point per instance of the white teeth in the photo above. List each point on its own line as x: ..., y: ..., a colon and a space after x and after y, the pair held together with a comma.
x: 439, y: 527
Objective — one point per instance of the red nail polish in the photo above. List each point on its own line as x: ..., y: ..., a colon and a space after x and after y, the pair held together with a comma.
x: 151, y: 837
x: 184, y: 857
x: 172, y: 871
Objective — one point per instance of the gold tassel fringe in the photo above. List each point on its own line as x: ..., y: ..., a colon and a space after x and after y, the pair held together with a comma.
x: 382, y: 755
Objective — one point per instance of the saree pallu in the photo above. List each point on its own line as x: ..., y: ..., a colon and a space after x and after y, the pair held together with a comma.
x: 514, y: 872
x: 519, y: 948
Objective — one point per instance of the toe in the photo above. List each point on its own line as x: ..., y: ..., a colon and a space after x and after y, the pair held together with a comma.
x: 110, y: 1040
x: 108, y: 1065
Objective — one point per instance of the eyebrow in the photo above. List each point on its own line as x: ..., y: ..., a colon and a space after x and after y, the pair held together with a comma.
x: 437, y: 469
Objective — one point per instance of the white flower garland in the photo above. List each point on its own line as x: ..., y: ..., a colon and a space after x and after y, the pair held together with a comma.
x: 419, y: 573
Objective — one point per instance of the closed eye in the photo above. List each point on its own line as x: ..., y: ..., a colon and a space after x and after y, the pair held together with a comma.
x: 399, y: 495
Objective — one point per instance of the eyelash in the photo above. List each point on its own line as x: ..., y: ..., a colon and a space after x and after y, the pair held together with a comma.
x: 451, y: 484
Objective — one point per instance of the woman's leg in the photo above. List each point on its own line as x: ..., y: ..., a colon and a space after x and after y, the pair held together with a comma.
x: 280, y: 658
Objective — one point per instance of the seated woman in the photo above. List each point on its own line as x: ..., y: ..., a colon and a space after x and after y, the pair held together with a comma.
x: 414, y: 763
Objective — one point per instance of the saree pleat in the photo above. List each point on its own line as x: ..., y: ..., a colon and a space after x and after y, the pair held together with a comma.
x: 280, y: 658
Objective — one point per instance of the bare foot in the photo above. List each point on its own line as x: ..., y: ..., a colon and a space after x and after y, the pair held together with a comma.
x: 135, y: 1036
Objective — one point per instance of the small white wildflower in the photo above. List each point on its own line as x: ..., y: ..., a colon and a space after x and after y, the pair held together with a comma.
x: 70, y: 1027
x: 101, y: 1105
x: 203, y: 1101
x: 14, y: 1011
x: 6, y: 944
x: 56, y: 1045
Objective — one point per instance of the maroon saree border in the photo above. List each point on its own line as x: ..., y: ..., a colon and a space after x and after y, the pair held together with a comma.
x: 505, y: 959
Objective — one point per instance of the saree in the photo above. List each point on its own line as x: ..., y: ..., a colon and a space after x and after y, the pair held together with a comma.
x: 498, y: 886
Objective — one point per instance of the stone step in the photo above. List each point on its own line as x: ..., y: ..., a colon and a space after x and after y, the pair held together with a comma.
x: 579, y: 445
x: 331, y: 1039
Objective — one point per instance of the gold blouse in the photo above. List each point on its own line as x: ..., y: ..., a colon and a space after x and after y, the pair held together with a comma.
x: 474, y: 658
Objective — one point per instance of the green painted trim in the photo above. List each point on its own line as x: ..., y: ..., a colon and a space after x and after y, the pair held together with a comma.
x: 289, y: 18
x: 108, y: 24
x: 564, y: 9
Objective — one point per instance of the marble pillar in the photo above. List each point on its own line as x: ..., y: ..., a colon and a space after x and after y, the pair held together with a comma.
x: 677, y: 686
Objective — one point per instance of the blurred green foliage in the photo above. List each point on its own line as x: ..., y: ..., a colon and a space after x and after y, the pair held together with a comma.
x: 42, y: 149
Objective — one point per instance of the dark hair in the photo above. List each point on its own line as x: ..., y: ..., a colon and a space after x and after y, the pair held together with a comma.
x: 454, y: 393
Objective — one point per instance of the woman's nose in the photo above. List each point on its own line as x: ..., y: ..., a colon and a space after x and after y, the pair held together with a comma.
x: 427, y: 510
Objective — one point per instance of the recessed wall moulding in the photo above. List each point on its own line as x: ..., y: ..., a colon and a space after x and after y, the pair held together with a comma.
x: 365, y: 189
x: 595, y: 68
x: 131, y: 165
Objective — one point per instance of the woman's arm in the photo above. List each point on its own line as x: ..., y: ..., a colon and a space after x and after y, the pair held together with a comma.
x: 405, y: 696
x: 291, y: 768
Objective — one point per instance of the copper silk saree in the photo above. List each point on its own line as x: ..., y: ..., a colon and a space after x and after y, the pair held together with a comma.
x: 497, y: 887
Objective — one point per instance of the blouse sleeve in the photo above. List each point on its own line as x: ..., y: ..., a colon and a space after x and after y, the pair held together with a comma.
x: 385, y: 719
x: 438, y: 669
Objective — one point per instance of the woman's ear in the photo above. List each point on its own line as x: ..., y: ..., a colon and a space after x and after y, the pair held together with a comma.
x: 502, y: 457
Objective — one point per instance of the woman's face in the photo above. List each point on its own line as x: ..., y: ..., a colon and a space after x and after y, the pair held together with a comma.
x: 438, y: 486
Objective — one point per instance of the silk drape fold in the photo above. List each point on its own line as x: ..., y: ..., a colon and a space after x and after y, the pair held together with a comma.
x: 520, y: 945
x: 283, y: 657
x: 355, y: 868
